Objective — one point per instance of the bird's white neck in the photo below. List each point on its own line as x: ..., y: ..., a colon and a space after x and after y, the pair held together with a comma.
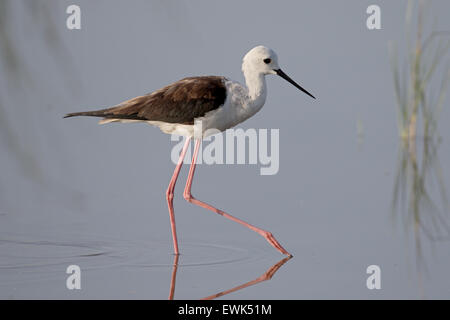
x: 257, y: 90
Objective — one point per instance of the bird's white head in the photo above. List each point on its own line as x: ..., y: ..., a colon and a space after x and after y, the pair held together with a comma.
x: 261, y: 61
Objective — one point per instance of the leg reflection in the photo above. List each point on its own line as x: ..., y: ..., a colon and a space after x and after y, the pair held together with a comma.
x: 174, y: 276
x: 265, y: 276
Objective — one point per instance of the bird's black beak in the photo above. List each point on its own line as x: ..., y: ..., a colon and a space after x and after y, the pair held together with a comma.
x: 286, y: 77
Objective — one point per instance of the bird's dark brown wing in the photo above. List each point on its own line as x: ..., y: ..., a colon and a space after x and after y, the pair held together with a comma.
x: 180, y: 102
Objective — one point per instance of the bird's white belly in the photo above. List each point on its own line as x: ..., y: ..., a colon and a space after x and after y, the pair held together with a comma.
x: 203, y: 127
x: 212, y: 123
x: 174, y: 128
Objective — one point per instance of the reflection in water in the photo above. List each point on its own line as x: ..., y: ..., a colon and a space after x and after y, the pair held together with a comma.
x: 412, y: 190
x: 174, y: 276
x: 418, y: 171
x: 265, y: 276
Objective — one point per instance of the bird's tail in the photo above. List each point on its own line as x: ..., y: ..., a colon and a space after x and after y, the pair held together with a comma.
x: 109, y: 113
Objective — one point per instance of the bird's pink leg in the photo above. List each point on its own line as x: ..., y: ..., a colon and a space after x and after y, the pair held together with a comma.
x: 169, y: 194
x: 188, y: 196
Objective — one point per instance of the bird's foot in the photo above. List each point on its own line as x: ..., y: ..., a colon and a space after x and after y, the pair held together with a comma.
x: 271, y: 239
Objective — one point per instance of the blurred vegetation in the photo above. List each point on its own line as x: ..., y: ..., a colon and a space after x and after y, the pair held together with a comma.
x: 16, y: 74
x: 417, y: 174
x: 419, y: 195
x: 417, y: 96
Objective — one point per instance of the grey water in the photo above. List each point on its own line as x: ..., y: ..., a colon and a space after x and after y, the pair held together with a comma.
x: 347, y: 195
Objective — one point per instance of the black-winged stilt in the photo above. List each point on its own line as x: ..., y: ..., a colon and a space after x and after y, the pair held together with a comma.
x: 192, y: 106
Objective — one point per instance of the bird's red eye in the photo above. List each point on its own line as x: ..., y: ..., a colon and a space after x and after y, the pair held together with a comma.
x: 267, y: 61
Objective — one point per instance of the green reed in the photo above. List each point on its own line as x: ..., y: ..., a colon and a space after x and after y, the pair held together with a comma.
x: 415, y: 80
x: 421, y: 82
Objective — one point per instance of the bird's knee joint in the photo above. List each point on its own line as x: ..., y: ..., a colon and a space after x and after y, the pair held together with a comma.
x: 169, y: 196
x: 267, y: 234
x: 187, y: 196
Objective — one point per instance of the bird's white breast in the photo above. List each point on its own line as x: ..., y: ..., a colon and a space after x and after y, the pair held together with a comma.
x: 237, y: 108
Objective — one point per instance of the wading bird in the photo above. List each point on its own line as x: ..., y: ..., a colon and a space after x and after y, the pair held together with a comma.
x: 191, y: 107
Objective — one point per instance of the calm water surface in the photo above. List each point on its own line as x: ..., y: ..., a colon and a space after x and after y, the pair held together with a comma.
x: 347, y: 194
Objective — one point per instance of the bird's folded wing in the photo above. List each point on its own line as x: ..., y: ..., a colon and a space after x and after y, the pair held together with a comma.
x: 180, y: 102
